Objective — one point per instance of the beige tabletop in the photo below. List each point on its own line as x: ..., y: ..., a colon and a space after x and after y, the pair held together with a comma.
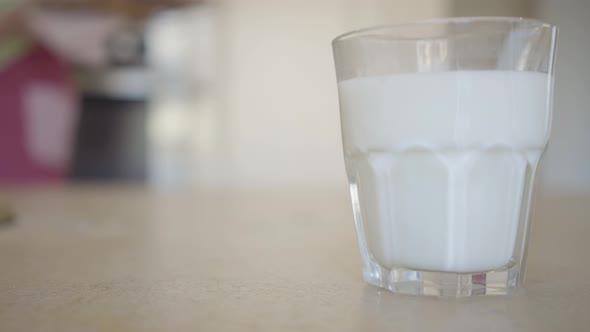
x: 90, y: 258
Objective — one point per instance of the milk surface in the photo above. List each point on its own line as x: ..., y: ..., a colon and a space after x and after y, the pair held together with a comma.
x: 443, y: 163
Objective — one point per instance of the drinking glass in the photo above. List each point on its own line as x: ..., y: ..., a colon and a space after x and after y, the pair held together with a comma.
x: 443, y: 125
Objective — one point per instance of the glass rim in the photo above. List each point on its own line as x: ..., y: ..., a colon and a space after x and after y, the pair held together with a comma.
x: 466, y: 19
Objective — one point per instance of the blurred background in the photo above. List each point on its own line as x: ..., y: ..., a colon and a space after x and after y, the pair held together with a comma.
x: 227, y: 94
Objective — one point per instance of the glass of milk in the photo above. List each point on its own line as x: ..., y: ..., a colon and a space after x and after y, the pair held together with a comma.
x: 443, y: 125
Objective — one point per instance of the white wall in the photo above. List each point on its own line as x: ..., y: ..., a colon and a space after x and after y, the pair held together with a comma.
x: 566, y: 167
x: 491, y: 7
x: 279, y: 87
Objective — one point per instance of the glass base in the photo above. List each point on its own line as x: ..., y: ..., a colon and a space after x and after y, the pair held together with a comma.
x: 433, y: 283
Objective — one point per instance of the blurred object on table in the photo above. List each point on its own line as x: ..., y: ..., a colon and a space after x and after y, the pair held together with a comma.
x: 38, y: 103
x: 111, y: 137
x: 140, y: 105
x: 111, y: 142
x: 182, y: 117
x: 106, y: 42
x: 6, y: 214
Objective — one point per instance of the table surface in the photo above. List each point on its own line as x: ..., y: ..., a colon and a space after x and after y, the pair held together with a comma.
x: 120, y: 258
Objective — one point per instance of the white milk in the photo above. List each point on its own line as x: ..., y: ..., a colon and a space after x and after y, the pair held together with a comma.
x: 443, y: 163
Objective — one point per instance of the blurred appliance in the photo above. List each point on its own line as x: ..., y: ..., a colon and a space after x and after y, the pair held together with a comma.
x: 111, y: 139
